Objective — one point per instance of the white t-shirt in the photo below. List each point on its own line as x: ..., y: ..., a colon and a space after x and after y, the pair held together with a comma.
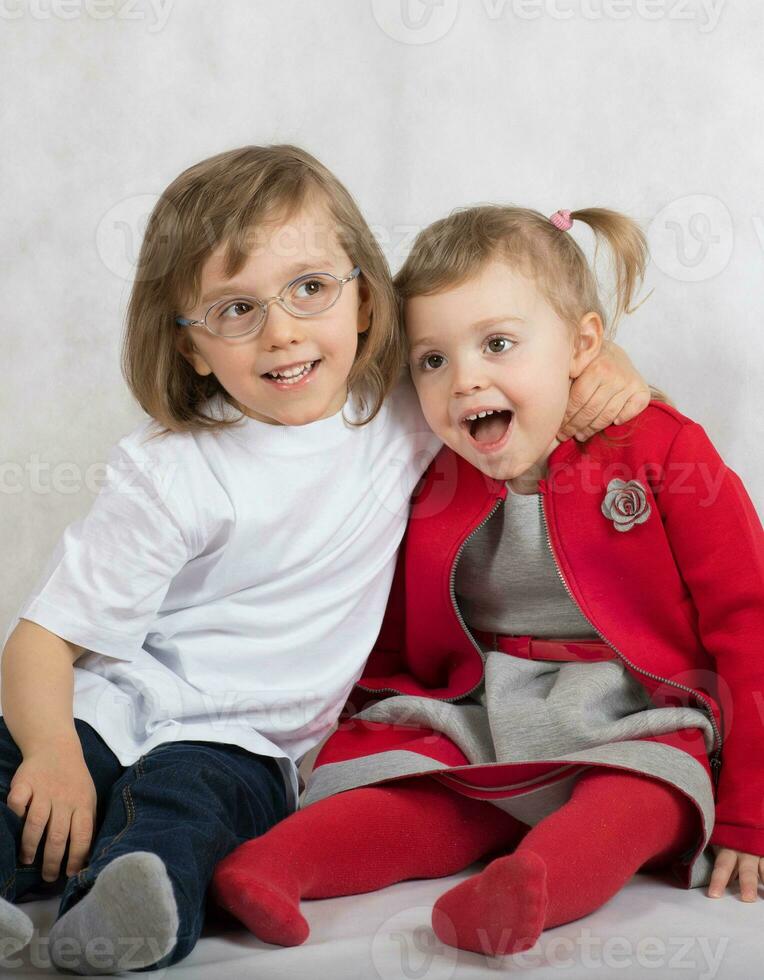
x: 228, y: 586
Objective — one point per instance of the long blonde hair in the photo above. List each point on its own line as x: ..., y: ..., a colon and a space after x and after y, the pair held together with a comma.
x: 453, y: 249
x: 220, y: 201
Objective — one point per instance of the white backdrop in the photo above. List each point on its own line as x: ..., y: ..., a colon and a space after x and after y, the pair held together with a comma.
x: 649, y: 106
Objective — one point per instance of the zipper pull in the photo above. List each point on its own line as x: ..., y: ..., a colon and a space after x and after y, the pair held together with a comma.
x: 716, y: 765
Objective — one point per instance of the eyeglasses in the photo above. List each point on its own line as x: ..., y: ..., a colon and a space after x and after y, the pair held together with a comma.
x: 308, y: 294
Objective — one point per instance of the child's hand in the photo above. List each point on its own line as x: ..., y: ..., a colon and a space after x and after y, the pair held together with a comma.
x: 609, y: 390
x: 749, y: 868
x: 53, y: 788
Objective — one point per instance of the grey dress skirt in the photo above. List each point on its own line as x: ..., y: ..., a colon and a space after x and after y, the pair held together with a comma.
x: 569, y: 715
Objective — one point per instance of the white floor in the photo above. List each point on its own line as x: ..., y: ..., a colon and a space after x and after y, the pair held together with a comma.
x: 651, y: 929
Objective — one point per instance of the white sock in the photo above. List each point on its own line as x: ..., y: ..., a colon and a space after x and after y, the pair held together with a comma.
x: 16, y: 929
x: 128, y: 919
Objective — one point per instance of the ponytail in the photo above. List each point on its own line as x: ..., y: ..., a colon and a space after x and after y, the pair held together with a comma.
x: 628, y: 246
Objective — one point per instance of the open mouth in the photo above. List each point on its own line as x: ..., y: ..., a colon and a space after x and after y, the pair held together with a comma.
x: 292, y: 377
x: 489, y: 430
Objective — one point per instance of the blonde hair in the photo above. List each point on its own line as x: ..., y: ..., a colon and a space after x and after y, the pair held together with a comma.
x: 456, y: 247
x: 221, y: 200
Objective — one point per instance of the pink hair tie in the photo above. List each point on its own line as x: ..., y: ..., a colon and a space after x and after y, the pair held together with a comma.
x: 562, y: 220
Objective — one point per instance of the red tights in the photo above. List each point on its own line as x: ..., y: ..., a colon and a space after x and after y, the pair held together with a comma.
x: 565, y: 867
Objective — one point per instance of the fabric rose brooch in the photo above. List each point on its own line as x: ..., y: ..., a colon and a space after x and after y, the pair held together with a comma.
x: 625, y: 504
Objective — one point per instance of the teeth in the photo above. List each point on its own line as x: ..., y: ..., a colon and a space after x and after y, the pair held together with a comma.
x: 291, y: 375
x: 481, y: 415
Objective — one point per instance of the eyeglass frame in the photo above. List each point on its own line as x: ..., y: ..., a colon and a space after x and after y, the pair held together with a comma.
x: 265, y: 304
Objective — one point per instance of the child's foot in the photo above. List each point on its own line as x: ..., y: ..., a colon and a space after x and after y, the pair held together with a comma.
x: 499, y: 911
x: 265, y: 907
x: 16, y: 929
x: 128, y: 919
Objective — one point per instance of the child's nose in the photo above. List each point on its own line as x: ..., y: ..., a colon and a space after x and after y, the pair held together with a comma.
x: 467, y: 378
x: 281, y: 328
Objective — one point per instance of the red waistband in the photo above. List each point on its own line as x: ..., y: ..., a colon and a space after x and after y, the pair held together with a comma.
x: 535, y: 649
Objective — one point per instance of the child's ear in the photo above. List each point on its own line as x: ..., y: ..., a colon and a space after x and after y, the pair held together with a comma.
x: 587, y: 344
x: 364, y: 306
x: 187, y: 348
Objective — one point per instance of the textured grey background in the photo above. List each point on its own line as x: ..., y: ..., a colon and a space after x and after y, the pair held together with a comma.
x: 650, y: 106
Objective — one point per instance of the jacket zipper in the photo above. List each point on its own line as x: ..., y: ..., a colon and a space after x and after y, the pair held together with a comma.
x: 455, y: 604
x: 715, y: 760
x: 452, y: 591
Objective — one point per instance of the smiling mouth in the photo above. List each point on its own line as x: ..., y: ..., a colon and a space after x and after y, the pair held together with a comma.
x: 489, y: 429
x: 293, y: 375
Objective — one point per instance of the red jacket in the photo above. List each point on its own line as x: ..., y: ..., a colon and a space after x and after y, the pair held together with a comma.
x: 680, y: 595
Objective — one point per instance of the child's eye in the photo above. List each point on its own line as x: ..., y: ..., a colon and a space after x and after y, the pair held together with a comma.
x: 308, y: 289
x: 237, y: 308
x: 498, y: 345
x: 431, y: 362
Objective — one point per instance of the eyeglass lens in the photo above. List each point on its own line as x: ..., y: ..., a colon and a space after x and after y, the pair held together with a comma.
x: 237, y: 316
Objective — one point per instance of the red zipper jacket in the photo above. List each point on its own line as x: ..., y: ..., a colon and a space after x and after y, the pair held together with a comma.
x: 679, y: 594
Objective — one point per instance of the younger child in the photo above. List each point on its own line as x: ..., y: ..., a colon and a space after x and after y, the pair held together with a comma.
x: 201, y: 628
x: 572, y: 635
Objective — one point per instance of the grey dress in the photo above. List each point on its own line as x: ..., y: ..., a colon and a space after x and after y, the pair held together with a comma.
x: 533, y: 710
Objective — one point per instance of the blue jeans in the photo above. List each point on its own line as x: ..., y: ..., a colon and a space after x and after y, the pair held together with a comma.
x: 191, y: 803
